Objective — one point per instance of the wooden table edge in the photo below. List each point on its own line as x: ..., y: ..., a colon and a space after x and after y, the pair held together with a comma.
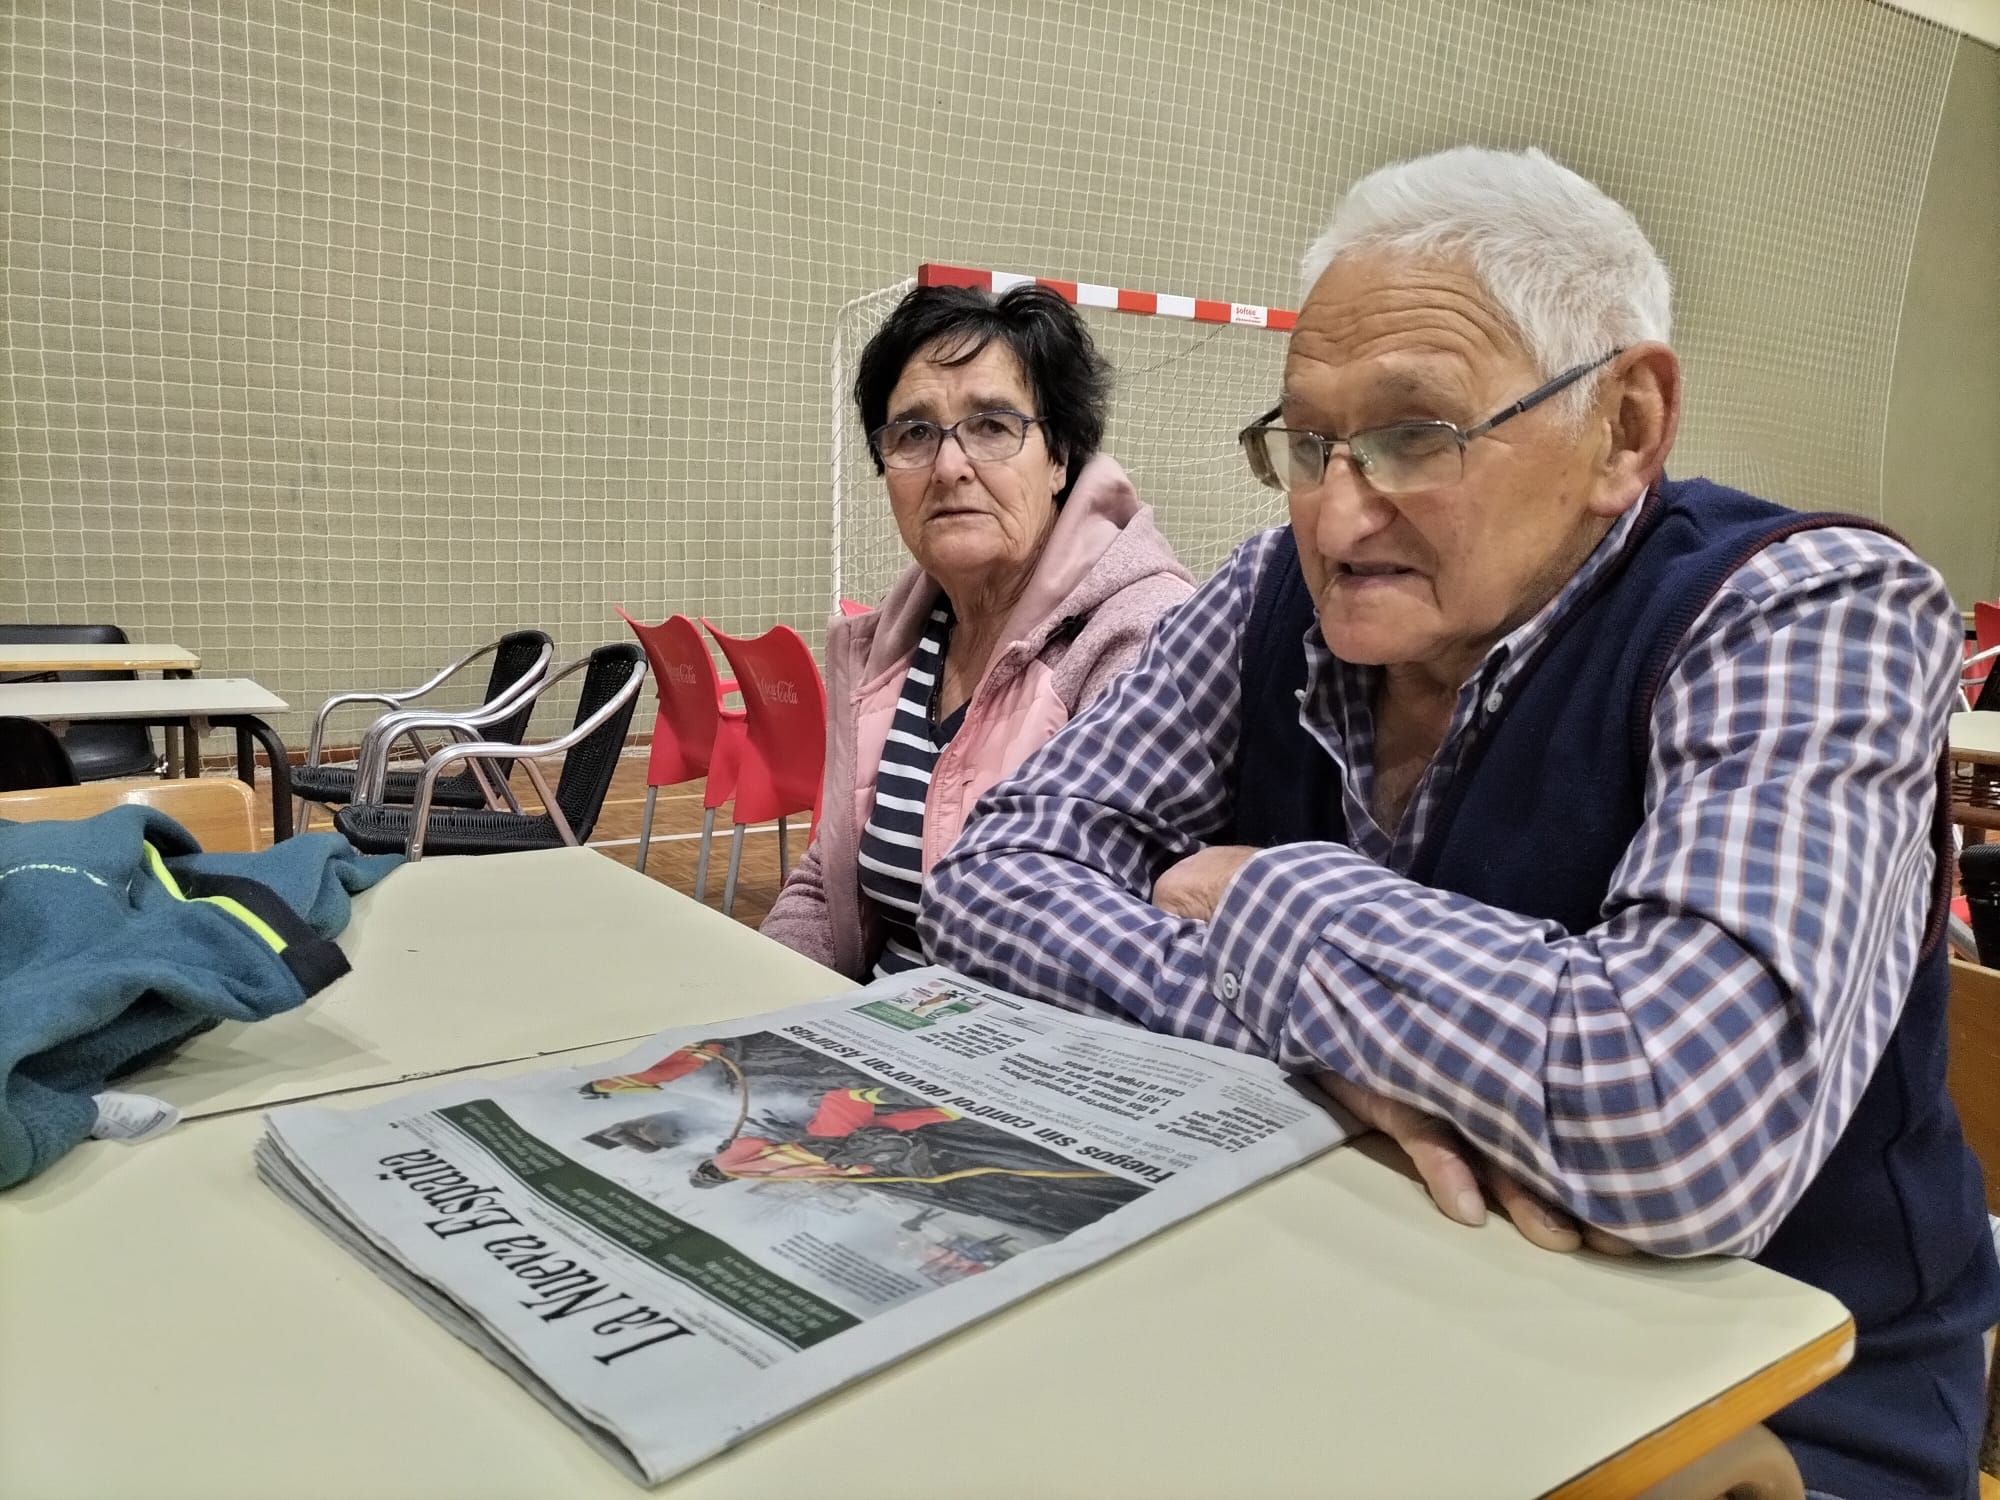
x: 24, y: 663
x: 1672, y: 1448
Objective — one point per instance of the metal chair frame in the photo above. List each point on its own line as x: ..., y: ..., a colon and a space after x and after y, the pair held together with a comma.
x: 379, y: 738
x: 529, y: 755
x: 466, y: 722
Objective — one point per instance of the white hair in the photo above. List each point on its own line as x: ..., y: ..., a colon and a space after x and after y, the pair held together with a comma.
x: 1565, y: 263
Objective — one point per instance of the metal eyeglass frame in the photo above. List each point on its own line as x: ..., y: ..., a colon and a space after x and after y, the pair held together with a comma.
x: 1251, y: 438
x: 1026, y: 421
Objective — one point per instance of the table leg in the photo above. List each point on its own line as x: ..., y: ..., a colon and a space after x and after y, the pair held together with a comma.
x: 173, y: 733
x: 191, y: 738
x: 249, y: 727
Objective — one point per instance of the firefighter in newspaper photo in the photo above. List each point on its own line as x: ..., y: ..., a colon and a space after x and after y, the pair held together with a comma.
x: 804, y: 1118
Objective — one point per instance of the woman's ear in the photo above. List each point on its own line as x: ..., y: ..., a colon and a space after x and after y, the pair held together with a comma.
x: 1058, y: 478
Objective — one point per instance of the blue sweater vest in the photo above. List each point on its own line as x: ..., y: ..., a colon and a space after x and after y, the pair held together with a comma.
x: 1547, y: 803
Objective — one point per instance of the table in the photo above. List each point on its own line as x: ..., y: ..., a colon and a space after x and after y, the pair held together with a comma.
x: 135, y: 656
x: 1974, y: 740
x: 231, y: 702
x: 173, y: 1328
x: 1975, y: 737
x: 139, y: 656
x: 485, y: 960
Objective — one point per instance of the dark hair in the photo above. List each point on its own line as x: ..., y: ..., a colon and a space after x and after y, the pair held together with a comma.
x: 1068, y: 379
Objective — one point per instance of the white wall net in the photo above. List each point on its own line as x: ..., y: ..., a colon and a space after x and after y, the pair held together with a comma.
x: 341, y: 337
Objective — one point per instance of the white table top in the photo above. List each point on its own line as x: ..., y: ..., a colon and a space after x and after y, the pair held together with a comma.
x: 138, y: 656
x: 174, y: 1329
x: 142, y: 698
x: 466, y: 961
x: 1975, y: 736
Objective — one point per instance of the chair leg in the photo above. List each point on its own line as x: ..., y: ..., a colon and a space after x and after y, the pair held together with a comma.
x: 735, y: 864
x: 701, y: 860
x: 783, y: 859
x: 646, y: 829
x: 301, y: 814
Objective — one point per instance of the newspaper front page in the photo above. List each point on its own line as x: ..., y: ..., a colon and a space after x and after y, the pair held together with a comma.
x: 675, y: 1249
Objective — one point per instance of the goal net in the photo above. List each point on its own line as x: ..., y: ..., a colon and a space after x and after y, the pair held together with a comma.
x: 1182, y: 370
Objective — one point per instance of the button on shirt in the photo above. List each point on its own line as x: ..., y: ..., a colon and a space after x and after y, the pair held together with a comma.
x: 1731, y: 931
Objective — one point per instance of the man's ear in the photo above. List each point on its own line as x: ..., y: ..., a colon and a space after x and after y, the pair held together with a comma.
x: 1639, y: 402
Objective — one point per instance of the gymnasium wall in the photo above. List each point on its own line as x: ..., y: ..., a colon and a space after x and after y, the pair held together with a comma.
x: 342, y: 337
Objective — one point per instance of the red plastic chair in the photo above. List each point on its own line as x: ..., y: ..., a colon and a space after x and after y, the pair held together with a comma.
x: 784, y: 736
x: 695, y: 734
x: 853, y: 607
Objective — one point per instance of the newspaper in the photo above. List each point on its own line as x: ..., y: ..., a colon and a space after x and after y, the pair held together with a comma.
x: 675, y: 1249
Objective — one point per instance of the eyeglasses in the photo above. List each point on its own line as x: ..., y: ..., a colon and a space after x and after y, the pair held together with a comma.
x: 983, y: 437
x: 1403, y: 458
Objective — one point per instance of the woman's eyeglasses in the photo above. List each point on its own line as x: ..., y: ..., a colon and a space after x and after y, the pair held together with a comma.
x: 984, y: 437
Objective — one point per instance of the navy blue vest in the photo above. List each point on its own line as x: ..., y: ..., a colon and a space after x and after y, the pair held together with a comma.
x: 1536, y: 821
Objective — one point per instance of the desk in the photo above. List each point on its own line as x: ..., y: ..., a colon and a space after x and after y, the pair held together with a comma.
x: 1975, y: 737
x: 139, y: 656
x: 1975, y: 770
x: 460, y: 962
x: 136, y: 656
x: 174, y: 1329
x: 232, y: 702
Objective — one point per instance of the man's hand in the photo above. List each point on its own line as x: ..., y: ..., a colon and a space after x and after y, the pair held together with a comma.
x: 1191, y: 887
x: 1453, y: 1174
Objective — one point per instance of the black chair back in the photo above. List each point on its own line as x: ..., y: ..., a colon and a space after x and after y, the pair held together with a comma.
x: 514, y: 658
x: 98, y: 749
x: 1979, y: 878
x: 31, y: 756
x: 589, y: 766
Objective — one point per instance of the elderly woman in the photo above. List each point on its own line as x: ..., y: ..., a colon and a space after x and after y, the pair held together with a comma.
x: 1037, y: 576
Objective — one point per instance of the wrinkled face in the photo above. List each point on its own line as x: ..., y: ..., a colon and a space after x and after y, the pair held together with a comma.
x: 1432, y: 580
x: 972, y: 525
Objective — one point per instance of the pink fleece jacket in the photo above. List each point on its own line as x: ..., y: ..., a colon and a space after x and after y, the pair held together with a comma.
x: 1104, y: 576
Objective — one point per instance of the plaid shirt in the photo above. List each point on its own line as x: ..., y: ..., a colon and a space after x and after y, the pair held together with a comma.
x: 1676, y: 1074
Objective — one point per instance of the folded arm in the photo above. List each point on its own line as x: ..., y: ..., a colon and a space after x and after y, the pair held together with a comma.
x: 1675, y: 1075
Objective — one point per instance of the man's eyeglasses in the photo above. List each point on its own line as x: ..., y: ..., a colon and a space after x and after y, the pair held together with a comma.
x: 985, y: 436
x: 1403, y: 458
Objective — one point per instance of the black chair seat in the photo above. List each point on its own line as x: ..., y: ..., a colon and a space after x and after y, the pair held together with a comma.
x: 374, y: 828
x: 334, y: 785
x: 31, y: 756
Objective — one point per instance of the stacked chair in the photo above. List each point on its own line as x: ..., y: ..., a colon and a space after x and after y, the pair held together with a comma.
x: 765, y: 759
x: 520, y: 663
x: 696, y: 734
x: 611, y: 677
x: 783, y: 752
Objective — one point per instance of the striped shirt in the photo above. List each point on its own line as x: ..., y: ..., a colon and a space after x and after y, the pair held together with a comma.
x: 892, y: 842
x: 1761, y: 931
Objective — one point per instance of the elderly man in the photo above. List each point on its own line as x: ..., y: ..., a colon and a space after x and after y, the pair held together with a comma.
x: 1578, y: 826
